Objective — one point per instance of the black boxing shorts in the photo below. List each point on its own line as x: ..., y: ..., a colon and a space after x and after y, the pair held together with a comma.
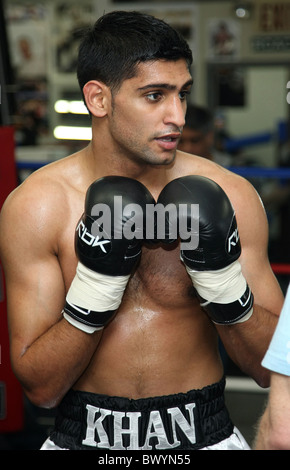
x: 197, y: 419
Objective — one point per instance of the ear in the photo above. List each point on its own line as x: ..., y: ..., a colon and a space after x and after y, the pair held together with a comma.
x: 97, y: 96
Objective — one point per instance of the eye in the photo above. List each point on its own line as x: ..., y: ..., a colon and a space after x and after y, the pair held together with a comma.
x: 154, y: 96
x: 183, y: 95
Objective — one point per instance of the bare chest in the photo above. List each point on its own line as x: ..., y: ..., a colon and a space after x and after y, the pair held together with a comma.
x: 161, y: 278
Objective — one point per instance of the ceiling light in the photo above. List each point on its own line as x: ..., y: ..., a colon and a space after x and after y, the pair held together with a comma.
x: 74, y: 107
x: 72, y: 133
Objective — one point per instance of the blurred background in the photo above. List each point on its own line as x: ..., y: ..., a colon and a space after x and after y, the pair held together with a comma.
x: 238, y: 116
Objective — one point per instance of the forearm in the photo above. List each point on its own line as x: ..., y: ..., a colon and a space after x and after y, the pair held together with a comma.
x: 261, y: 439
x: 50, y: 366
x: 271, y: 435
x: 246, y: 343
x: 273, y: 431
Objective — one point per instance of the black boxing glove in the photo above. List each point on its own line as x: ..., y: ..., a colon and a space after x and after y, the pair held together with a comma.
x: 211, y: 255
x: 108, y: 242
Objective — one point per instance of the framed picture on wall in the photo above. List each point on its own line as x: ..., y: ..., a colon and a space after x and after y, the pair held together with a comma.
x: 223, y: 39
x: 28, y: 31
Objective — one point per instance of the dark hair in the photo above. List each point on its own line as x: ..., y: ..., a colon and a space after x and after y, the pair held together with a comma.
x: 199, y: 119
x: 111, y: 49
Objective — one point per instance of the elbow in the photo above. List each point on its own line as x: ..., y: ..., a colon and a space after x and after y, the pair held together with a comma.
x: 39, y: 393
x: 42, y: 398
x: 260, y: 375
x: 263, y: 378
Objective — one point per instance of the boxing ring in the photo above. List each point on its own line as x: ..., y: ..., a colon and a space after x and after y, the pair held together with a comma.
x: 281, y: 174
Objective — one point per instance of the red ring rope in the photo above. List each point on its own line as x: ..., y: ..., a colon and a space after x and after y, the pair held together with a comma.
x: 280, y: 268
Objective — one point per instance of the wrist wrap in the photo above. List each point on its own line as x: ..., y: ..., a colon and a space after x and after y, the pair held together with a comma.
x: 224, y: 294
x: 93, y: 298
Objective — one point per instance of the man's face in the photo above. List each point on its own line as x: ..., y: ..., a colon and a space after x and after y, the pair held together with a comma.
x: 147, y: 114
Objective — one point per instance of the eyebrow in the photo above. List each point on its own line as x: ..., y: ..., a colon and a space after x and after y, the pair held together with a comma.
x: 166, y: 86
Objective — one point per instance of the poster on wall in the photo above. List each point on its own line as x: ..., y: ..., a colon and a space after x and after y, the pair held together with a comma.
x: 223, y: 39
x: 27, y: 32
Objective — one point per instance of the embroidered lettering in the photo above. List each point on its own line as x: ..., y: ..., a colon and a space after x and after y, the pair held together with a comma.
x: 96, y: 425
x: 187, y: 428
x: 132, y: 431
x: 156, y: 429
x: 128, y: 424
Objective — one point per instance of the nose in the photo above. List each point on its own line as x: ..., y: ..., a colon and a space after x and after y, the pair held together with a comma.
x: 175, y: 112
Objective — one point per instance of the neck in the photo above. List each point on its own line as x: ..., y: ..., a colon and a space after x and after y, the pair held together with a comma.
x: 101, y: 162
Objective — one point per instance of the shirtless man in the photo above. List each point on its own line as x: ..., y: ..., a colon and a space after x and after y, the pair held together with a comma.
x: 146, y: 374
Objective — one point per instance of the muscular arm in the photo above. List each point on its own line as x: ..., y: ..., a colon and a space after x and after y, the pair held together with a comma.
x: 247, y: 342
x: 47, y: 353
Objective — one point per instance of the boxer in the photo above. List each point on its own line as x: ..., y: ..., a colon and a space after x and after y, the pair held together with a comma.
x: 119, y: 333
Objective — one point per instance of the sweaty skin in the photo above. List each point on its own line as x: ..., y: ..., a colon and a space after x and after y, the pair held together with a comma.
x: 160, y: 342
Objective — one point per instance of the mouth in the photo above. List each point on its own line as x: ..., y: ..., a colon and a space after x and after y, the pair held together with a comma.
x: 169, y: 141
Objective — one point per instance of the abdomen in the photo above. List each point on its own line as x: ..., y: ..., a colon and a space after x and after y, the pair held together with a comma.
x: 160, y: 341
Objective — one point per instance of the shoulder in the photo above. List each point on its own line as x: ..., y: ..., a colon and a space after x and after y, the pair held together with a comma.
x: 240, y: 191
x: 40, y: 204
x: 38, y: 192
x: 246, y: 201
x: 55, y: 182
x: 242, y: 194
x: 244, y: 198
